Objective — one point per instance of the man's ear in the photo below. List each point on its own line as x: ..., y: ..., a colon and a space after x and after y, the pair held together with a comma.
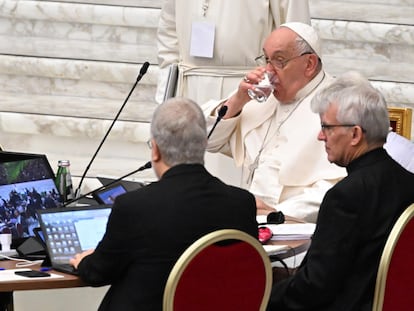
x: 312, y: 63
x: 357, y: 135
x: 155, y: 152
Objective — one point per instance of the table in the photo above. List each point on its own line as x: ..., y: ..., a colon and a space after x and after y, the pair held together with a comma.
x: 68, y: 281
x: 7, y: 288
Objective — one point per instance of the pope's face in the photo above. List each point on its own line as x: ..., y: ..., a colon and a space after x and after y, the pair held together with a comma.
x: 286, y: 63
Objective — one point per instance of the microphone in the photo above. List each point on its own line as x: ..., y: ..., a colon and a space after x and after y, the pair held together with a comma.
x: 222, y: 111
x: 142, y: 71
x: 144, y: 167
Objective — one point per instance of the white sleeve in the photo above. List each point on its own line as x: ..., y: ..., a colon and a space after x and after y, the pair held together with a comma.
x: 306, y: 205
x: 167, y: 42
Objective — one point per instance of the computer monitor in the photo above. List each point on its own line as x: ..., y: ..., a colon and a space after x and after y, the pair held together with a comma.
x: 26, y: 185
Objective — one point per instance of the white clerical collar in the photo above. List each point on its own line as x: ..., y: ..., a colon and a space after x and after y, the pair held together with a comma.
x: 308, y: 88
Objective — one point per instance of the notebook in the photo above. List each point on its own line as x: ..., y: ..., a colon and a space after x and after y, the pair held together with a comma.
x: 171, y: 85
x: 26, y: 185
x: 69, y: 231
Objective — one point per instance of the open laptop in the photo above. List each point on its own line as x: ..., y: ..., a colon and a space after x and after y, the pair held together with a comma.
x: 26, y: 185
x: 69, y: 231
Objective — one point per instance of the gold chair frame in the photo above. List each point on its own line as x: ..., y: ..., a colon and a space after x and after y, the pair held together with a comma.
x: 400, y: 120
x: 209, y: 239
x: 386, y: 257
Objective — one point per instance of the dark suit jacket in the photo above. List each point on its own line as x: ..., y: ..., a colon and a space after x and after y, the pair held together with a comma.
x: 355, y: 219
x: 151, y: 227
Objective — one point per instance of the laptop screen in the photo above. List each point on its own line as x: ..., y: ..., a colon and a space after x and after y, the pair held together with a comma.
x: 69, y: 231
x: 26, y: 185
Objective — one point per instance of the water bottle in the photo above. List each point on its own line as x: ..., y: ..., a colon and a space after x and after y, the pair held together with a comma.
x: 64, y: 181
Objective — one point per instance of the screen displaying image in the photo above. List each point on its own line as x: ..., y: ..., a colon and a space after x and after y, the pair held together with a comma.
x: 108, y: 195
x: 26, y: 185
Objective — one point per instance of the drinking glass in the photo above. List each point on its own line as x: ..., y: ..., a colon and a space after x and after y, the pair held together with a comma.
x: 263, y: 89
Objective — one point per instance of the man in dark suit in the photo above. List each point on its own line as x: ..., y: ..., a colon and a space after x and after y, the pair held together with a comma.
x: 151, y: 227
x: 357, y: 214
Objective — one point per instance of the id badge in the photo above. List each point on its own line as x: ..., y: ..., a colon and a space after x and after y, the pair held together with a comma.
x: 202, y: 39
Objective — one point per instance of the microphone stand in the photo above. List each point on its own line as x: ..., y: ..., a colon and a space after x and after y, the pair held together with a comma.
x: 144, y: 167
x: 143, y: 70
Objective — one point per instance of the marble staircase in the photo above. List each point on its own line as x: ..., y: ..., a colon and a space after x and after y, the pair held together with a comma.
x: 375, y: 37
x: 66, y: 67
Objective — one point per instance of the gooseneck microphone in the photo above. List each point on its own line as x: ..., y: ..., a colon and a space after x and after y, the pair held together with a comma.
x: 222, y: 111
x: 142, y: 72
x: 141, y: 168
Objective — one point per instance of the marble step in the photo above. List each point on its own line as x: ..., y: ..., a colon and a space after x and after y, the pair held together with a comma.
x: 78, y: 31
x: 399, y: 12
x: 81, y: 12
x: 127, y: 3
x: 81, y: 88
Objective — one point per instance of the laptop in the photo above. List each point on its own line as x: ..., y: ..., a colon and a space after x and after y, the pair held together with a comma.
x: 27, y: 184
x: 68, y: 231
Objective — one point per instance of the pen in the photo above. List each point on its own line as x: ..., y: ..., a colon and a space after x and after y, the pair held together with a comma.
x: 43, y: 269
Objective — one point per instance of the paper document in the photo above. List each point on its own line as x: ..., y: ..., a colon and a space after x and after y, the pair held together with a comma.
x: 8, y: 275
x: 275, y: 249
x: 292, y: 231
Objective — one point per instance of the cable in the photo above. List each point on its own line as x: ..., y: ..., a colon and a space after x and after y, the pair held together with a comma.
x: 22, y: 262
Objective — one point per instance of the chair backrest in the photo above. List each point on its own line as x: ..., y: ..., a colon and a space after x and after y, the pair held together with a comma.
x: 394, y: 288
x: 224, y: 270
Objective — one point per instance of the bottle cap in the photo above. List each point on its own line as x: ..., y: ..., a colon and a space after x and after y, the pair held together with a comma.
x: 63, y: 163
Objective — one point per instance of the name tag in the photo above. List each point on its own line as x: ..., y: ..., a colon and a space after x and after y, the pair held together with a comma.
x: 202, y: 39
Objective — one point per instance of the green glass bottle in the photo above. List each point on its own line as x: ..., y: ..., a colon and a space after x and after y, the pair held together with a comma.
x: 64, y: 181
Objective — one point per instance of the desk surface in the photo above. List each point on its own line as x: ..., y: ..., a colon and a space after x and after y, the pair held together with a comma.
x: 66, y: 281
x: 295, y: 247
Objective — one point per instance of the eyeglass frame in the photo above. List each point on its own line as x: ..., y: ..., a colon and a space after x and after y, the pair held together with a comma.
x: 149, y: 143
x: 282, y: 63
x: 325, y: 127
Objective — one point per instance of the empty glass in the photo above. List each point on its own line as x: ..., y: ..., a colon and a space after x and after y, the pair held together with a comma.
x: 263, y: 89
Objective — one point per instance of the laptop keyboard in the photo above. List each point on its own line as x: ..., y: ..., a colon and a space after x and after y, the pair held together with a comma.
x: 66, y: 268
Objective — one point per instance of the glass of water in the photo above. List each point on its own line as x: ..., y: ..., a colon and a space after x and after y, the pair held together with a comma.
x: 263, y: 89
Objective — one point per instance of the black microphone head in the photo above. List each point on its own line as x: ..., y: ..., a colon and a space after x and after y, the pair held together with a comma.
x: 222, y: 111
x: 275, y: 218
x: 147, y: 165
x: 144, y: 68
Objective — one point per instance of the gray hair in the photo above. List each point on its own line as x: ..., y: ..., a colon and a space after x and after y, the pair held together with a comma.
x: 303, y: 47
x: 179, y: 129
x: 358, y: 103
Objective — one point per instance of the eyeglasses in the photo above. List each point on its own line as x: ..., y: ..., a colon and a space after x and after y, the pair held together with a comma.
x: 262, y: 60
x: 149, y: 143
x: 325, y: 127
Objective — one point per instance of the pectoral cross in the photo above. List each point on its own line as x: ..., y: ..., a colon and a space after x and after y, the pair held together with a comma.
x: 252, y: 168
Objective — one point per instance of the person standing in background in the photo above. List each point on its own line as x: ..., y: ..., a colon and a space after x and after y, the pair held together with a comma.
x: 214, y: 43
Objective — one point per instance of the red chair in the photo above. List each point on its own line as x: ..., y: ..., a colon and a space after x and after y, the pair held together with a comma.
x: 224, y: 270
x: 394, y: 288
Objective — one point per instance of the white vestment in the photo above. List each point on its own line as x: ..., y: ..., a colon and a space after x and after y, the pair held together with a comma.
x: 293, y: 172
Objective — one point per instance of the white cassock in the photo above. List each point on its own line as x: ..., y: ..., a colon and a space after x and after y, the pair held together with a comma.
x: 293, y: 172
